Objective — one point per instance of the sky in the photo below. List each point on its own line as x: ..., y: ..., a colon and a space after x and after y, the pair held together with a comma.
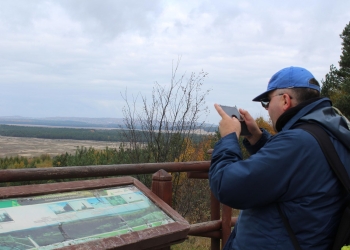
x: 76, y: 58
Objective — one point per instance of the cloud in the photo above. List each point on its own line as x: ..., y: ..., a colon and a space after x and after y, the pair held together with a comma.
x: 110, y: 19
x: 73, y: 58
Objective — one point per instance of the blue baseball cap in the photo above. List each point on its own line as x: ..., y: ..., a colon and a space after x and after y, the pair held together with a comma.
x: 292, y: 77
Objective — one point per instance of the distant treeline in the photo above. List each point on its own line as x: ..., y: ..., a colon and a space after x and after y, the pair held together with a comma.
x: 57, y: 123
x: 104, y: 124
x: 62, y: 133
x: 113, y: 135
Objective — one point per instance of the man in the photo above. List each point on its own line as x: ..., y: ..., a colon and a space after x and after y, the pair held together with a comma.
x: 287, y: 169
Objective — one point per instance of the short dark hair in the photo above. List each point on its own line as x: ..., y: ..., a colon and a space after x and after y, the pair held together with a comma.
x: 304, y: 94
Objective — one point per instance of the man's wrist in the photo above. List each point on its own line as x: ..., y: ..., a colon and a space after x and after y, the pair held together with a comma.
x: 253, y: 139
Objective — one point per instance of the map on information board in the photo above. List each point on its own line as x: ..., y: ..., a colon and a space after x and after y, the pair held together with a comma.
x: 63, y: 219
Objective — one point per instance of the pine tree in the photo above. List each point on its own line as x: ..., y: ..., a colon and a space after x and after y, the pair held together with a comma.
x: 336, y: 86
x: 344, y: 63
x: 332, y: 84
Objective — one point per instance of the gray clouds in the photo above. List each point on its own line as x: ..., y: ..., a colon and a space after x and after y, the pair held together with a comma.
x: 109, y: 19
x: 73, y: 58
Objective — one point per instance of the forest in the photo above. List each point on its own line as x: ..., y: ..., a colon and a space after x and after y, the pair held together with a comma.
x: 62, y: 133
x: 111, y: 135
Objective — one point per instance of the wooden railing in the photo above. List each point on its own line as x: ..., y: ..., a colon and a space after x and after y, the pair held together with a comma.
x: 218, y: 229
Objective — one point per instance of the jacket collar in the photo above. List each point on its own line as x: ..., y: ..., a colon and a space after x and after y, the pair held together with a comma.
x: 292, y: 115
x: 318, y: 110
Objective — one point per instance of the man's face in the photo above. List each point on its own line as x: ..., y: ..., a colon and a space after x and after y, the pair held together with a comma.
x: 275, y: 108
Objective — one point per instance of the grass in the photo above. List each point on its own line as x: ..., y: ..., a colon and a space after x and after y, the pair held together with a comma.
x: 193, y: 243
x: 198, y: 243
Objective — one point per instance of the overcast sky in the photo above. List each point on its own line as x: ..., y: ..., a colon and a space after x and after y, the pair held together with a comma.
x: 74, y: 58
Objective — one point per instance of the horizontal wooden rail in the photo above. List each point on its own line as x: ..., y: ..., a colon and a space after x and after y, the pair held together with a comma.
x: 34, y: 174
x: 205, y: 228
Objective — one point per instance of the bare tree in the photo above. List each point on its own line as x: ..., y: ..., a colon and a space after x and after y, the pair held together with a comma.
x: 157, y: 130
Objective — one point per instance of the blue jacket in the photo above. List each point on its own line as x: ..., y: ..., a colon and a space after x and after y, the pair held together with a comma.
x: 288, y: 168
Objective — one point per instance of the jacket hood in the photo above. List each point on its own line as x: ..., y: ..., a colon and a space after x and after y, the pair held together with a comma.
x: 320, y: 110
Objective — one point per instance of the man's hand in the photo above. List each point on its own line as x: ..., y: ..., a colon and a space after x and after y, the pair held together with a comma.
x: 227, y: 124
x: 252, y: 127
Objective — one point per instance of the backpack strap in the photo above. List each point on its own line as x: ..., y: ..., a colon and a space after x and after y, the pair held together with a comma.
x: 329, y: 151
x: 333, y: 160
x: 289, y: 228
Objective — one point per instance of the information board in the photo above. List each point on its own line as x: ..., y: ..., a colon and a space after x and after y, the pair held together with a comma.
x: 65, y: 219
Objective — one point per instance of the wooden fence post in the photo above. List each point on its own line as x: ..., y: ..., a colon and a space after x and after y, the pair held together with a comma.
x: 214, y: 215
x: 162, y: 185
x: 226, y: 223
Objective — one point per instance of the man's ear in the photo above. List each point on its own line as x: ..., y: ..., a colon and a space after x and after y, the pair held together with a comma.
x: 287, y: 102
